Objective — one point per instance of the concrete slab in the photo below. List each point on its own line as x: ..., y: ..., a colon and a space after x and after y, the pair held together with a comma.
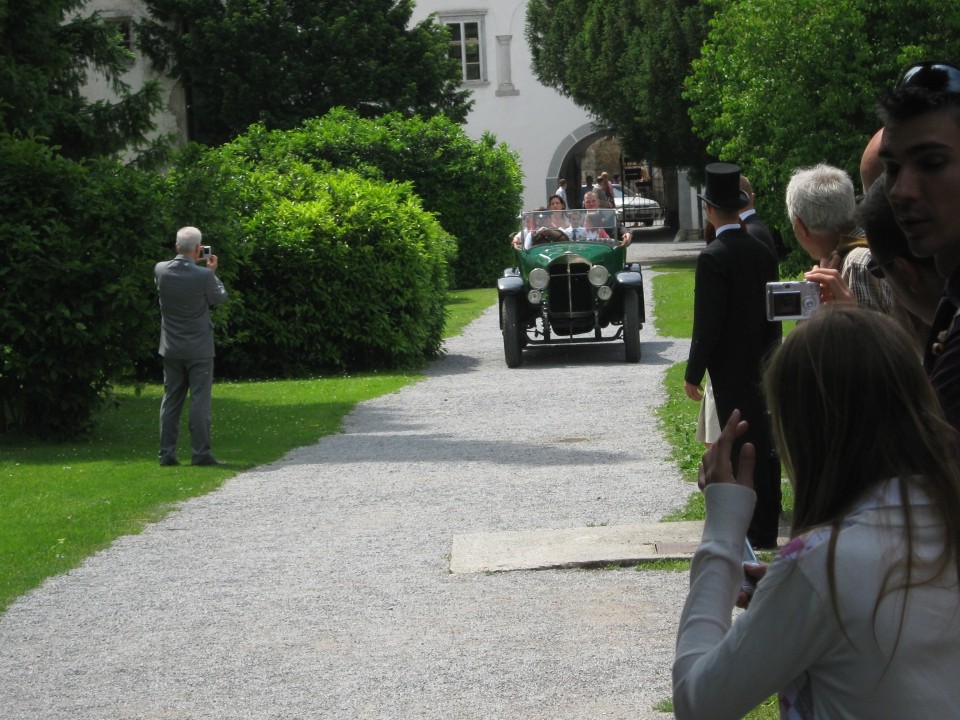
x: 573, y: 547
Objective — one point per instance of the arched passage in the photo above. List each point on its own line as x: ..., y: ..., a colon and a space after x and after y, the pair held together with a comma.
x: 566, y: 159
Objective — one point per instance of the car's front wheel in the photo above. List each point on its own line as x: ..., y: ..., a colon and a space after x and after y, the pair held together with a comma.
x: 513, y: 331
x: 631, y: 325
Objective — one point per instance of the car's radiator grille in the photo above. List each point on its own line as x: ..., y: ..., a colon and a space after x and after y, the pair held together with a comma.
x: 570, y: 290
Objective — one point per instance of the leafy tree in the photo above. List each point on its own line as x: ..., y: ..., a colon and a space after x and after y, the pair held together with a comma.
x: 77, y: 311
x: 624, y: 62
x: 281, y: 62
x: 47, y: 51
x: 788, y: 83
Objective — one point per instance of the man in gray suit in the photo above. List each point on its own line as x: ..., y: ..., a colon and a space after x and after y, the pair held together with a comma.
x: 187, y: 291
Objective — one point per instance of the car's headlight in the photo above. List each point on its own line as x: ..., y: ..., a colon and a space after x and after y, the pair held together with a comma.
x: 605, y: 292
x: 598, y: 275
x: 539, y: 278
x: 535, y: 296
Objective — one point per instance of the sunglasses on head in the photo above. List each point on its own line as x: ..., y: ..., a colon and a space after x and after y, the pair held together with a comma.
x: 933, y: 76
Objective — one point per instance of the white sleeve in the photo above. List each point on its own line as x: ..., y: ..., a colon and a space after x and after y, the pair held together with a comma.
x: 722, y: 671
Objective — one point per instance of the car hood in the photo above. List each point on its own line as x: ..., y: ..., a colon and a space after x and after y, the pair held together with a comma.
x: 595, y: 253
x: 610, y: 256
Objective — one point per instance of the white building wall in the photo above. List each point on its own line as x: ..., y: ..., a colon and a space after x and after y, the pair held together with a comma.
x: 537, y: 122
x: 171, y: 119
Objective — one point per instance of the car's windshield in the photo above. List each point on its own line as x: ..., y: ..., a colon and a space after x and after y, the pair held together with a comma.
x: 572, y: 225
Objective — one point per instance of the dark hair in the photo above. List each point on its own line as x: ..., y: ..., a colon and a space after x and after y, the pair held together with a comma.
x: 558, y: 198
x: 923, y: 87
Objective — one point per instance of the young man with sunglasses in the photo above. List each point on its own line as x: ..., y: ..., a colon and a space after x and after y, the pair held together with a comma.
x: 920, y: 149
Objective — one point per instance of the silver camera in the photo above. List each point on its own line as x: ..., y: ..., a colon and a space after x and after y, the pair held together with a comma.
x: 792, y: 300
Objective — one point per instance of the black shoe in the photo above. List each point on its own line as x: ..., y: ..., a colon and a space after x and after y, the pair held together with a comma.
x: 169, y: 462
x: 207, y: 462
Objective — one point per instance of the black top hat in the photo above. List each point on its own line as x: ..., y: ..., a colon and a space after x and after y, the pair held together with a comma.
x: 723, y: 187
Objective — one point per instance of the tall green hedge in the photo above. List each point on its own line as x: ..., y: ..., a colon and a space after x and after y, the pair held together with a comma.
x: 474, y: 186
x: 77, y: 308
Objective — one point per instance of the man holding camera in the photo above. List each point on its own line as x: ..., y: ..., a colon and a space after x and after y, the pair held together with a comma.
x: 731, y: 336
x: 821, y: 203
x: 187, y: 291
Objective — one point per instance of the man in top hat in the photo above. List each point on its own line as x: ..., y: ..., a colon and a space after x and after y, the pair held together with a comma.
x: 732, y: 336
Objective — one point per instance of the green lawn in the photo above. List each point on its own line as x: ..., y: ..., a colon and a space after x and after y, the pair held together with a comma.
x: 673, y: 310
x: 62, y: 503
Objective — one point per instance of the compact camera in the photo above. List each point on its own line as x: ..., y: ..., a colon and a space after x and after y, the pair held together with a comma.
x: 792, y: 300
x: 206, y: 252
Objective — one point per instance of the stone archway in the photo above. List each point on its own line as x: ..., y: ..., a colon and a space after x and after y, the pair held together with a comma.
x: 568, y: 157
x: 577, y: 155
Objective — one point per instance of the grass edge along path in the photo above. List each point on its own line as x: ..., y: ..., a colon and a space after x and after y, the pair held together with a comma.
x: 64, y: 502
x: 677, y: 416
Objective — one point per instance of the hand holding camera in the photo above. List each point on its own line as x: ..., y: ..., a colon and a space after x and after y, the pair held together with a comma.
x: 833, y: 288
x: 206, y: 254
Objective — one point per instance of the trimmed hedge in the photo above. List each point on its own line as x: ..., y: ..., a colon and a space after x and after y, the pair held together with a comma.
x: 473, y: 186
x: 339, y: 273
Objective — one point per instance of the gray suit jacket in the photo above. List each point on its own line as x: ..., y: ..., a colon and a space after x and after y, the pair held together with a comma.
x: 186, y: 293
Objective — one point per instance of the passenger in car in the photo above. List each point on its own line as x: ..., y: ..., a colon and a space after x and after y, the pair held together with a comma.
x: 573, y: 229
x: 593, y: 227
x: 592, y: 202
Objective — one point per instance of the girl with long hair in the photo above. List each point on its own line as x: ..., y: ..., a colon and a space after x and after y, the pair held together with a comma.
x: 859, y: 614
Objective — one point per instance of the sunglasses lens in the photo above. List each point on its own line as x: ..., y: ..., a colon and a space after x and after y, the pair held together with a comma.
x: 936, y: 77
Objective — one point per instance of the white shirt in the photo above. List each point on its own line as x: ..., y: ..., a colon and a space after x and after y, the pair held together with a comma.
x: 789, y: 640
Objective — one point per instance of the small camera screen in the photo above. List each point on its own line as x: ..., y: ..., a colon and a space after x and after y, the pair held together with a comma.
x: 787, y: 303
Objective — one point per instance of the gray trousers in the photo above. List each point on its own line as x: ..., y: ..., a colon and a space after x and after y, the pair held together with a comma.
x: 179, y: 376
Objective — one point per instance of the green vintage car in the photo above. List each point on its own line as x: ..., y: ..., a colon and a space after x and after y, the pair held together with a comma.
x: 571, y: 284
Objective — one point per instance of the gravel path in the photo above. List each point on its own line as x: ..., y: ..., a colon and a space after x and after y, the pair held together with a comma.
x: 319, y: 586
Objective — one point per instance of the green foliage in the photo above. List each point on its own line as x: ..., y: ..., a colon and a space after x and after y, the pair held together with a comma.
x: 769, y: 709
x: 673, y: 303
x: 77, y: 306
x: 472, y: 185
x: 625, y: 63
x: 677, y: 418
x: 325, y: 269
x: 353, y: 279
x: 279, y: 63
x: 47, y: 50
x: 782, y: 84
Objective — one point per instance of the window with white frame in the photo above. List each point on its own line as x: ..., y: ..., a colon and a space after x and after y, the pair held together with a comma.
x: 466, y: 46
